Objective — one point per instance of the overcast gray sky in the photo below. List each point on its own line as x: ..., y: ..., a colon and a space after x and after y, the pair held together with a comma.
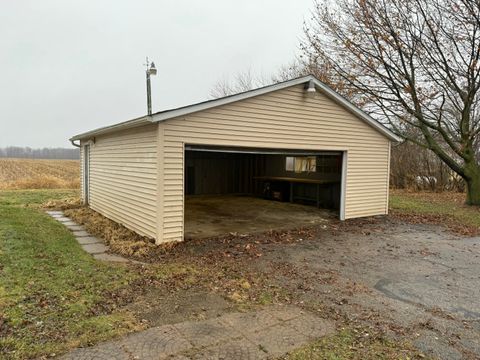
x: 70, y: 66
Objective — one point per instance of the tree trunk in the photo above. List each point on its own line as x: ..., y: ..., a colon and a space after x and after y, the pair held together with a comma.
x: 473, y: 183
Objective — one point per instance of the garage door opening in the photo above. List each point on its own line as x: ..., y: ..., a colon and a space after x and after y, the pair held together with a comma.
x: 245, y: 190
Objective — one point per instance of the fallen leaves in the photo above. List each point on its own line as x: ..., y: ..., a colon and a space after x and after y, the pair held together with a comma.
x: 437, y: 219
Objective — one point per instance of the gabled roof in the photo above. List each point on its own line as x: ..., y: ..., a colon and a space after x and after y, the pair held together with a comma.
x: 185, y: 110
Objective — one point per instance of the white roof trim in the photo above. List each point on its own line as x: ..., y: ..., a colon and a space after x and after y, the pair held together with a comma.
x: 120, y: 126
x: 169, y: 114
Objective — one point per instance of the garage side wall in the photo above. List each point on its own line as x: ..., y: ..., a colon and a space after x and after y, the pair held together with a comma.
x: 123, y: 178
x: 286, y: 119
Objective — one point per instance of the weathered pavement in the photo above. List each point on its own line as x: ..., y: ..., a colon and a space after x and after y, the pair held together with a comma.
x: 420, y: 278
x: 262, y: 334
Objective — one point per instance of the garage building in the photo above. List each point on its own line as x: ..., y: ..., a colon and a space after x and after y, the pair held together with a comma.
x: 294, y: 142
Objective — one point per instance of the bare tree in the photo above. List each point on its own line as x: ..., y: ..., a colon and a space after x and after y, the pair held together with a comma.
x: 296, y: 68
x: 413, y: 63
x: 414, y: 167
x: 243, y: 81
x: 247, y: 80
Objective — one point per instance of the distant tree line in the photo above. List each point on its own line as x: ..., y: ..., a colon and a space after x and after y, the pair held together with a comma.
x: 43, y: 153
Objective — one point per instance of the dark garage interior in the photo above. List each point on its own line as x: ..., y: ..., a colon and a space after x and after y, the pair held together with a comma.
x: 258, y: 189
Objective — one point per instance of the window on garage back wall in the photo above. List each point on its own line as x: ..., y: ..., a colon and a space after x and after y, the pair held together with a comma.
x: 301, y: 163
x: 327, y: 164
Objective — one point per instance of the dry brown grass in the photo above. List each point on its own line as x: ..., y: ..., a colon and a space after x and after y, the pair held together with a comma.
x: 39, y: 174
x: 120, y: 239
x: 66, y: 203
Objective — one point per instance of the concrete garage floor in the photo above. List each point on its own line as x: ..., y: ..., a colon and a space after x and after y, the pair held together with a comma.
x: 207, y: 216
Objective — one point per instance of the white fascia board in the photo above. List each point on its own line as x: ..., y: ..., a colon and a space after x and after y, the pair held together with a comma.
x: 120, y: 126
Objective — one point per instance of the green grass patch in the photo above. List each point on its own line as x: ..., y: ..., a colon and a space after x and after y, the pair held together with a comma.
x: 354, y: 344
x: 450, y: 205
x: 265, y: 298
x: 34, y: 198
x: 51, y: 291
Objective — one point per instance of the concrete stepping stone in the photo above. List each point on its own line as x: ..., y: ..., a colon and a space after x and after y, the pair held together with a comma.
x: 80, y: 233
x: 310, y: 326
x: 91, y: 244
x: 165, y: 340
x: 251, y: 322
x: 96, y: 248
x: 237, y: 349
x: 111, y: 350
x: 76, y: 227
x: 208, y: 332
x: 278, y: 339
x: 54, y: 212
x: 89, y: 240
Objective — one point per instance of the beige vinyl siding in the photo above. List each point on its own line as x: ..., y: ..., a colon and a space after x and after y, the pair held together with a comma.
x: 123, y: 178
x: 285, y: 119
x: 171, y: 192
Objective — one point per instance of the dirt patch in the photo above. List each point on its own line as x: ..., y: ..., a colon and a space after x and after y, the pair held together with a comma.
x: 158, y: 308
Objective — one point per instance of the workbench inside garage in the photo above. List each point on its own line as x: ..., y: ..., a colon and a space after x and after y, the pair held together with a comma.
x: 319, y: 192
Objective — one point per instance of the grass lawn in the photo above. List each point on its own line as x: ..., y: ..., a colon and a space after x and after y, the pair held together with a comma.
x: 51, y: 291
x: 440, y: 206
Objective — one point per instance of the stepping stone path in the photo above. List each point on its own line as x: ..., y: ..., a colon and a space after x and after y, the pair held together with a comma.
x: 89, y: 243
x: 264, y: 334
